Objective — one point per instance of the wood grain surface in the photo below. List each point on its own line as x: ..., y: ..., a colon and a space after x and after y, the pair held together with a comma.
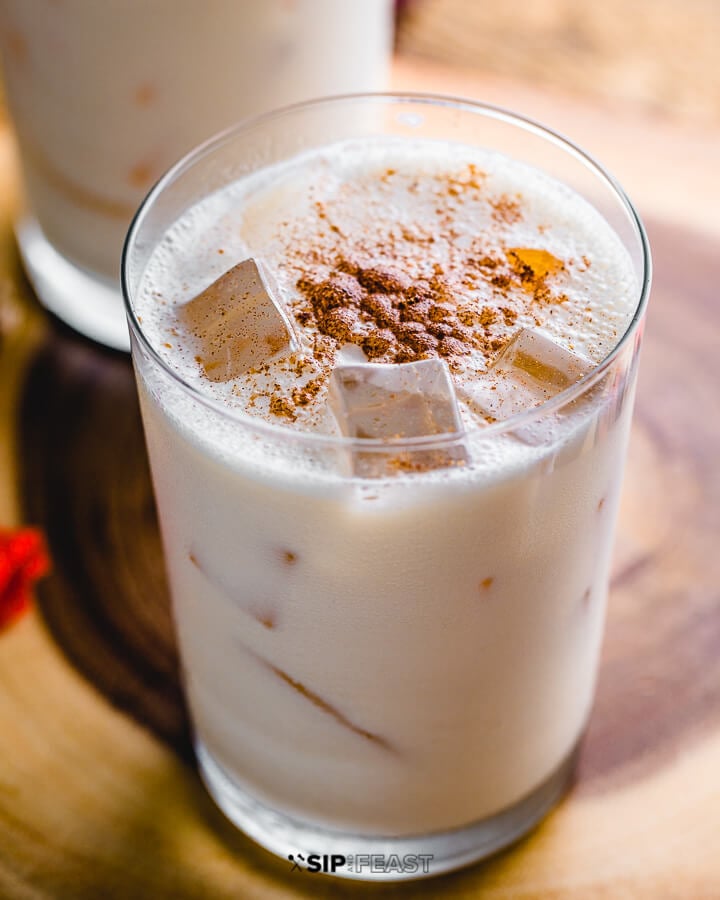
x: 99, y: 797
x: 654, y: 55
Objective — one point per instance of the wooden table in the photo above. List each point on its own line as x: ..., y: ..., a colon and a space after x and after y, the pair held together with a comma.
x: 98, y: 794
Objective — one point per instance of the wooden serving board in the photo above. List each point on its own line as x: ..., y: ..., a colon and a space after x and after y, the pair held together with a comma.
x: 99, y: 797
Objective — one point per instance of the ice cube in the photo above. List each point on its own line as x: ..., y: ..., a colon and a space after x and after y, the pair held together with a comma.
x: 531, y: 369
x: 388, y: 401
x: 236, y: 323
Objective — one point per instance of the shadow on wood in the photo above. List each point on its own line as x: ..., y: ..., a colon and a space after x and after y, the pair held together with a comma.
x: 85, y: 479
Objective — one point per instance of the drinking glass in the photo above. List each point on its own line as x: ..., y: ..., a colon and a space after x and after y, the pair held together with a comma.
x: 397, y: 669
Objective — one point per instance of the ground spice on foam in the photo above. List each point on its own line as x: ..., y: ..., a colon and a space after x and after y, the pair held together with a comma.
x: 465, y: 302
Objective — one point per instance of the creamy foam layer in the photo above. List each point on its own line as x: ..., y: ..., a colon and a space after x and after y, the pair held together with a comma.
x: 460, y: 223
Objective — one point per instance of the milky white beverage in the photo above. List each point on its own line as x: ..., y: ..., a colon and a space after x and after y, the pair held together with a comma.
x: 389, y: 638
x: 105, y: 96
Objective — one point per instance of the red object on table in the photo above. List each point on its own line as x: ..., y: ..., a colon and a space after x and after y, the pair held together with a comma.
x: 23, y: 560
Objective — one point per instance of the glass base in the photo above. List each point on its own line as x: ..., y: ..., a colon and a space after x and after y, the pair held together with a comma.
x: 379, y: 858
x: 89, y: 304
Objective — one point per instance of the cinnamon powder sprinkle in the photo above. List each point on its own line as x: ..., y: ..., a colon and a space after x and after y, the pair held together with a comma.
x: 395, y: 318
x: 387, y: 314
x: 506, y: 210
x: 301, y: 396
x: 281, y: 406
x: 410, y: 289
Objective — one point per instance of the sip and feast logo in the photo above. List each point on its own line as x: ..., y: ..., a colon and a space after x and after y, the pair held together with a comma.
x: 359, y: 863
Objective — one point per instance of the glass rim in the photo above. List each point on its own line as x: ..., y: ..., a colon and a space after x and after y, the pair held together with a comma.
x: 488, y: 430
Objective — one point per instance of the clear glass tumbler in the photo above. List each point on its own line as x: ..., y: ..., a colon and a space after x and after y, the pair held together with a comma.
x: 350, y: 695
x: 106, y: 96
